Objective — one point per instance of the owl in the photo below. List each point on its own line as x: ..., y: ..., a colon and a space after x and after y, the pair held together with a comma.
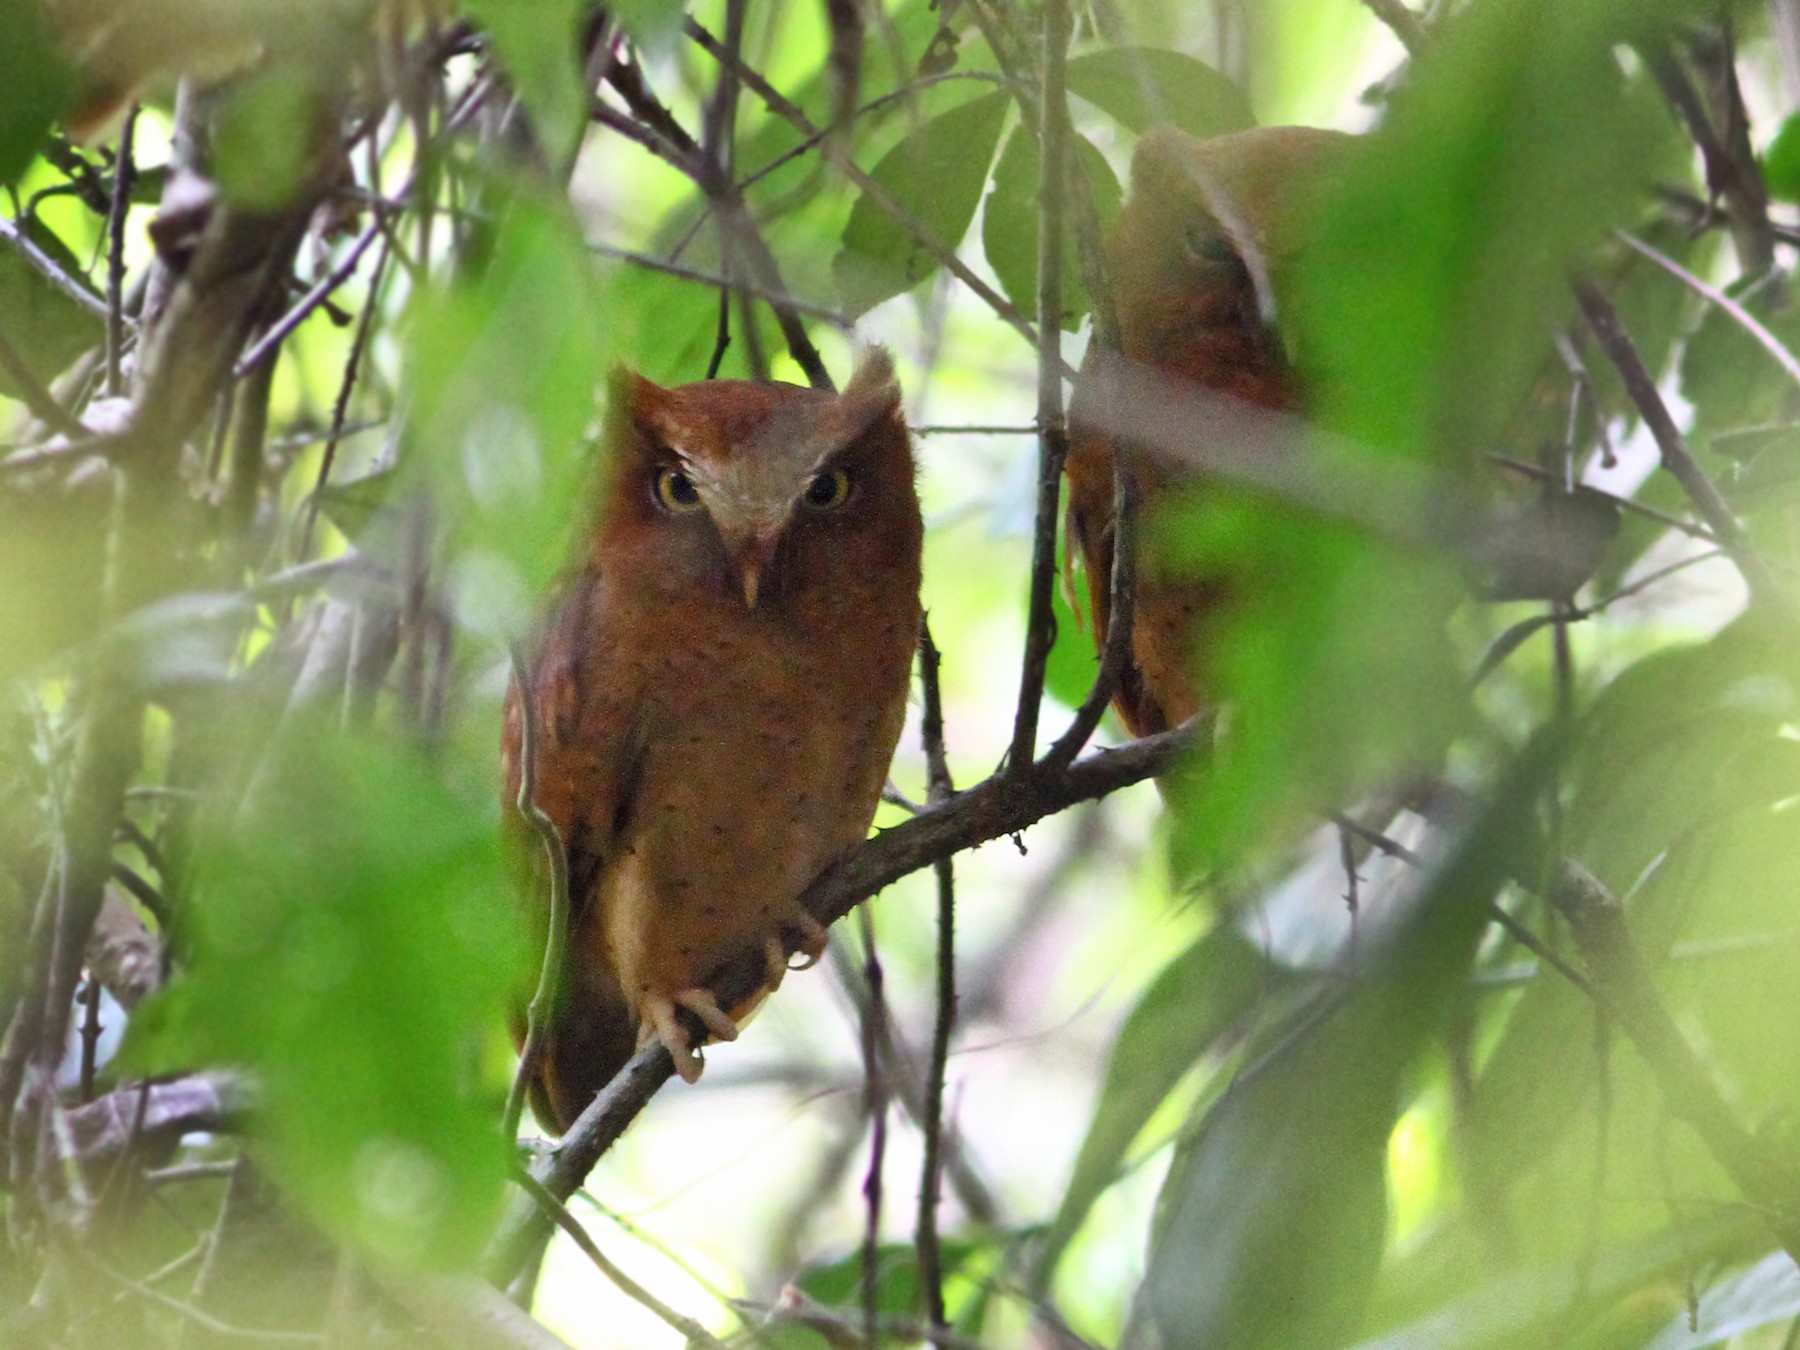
x: 717, y: 690
x: 1196, y: 262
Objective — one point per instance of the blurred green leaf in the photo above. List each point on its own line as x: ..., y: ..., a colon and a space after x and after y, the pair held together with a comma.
x: 45, y: 325
x: 354, y: 502
x: 263, y: 138
x: 1195, y: 1000
x: 937, y: 173
x: 1781, y: 161
x: 538, y: 42
x: 838, y: 1285
x: 36, y: 86
x: 350, y: 945
x: 1142, y: 86
x: 1334, y: 663
x: 505, y: 366
x: 1271, y: 1224
x: 1729, y: 377
x: 1009, y: 224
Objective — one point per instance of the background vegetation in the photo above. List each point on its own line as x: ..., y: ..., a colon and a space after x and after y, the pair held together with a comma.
x: 1453, y: 1002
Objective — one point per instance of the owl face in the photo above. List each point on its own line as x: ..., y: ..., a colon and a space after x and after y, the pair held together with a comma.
x: 754, y: 490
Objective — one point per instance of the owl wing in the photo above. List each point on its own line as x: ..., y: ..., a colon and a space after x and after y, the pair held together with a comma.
x: 586, y: 752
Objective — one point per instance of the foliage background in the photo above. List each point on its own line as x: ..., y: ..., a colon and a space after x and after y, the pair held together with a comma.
x: 259, y: 577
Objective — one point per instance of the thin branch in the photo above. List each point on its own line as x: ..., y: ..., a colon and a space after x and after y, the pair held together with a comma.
x: 1538, y: 473
x: 124, y: 173
x: 558, y: 1214
x: 941, y: 788
x: 836, y: 318
x: 1404, y: 23
x: 1053, y: 427
x: 1712, y: 294
x: 879, y: 196
x: 41, y: 262
x: 1603, y: 319
x: 875, y: 1103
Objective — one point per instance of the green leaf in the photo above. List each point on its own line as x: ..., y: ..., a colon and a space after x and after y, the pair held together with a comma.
x: 1781, y: 161
x: 1195, y: 1000
x: 36, y: 86
x: 936, y: 173
x: 1729, y: 377
x: 1271, y: 1224
x: 1009, y: 224
x: 538, y: 41
x: 505, y: 368
x: 351, y: 946
x: 262, y: 144
x: 47, y: 327
x: 1142, y: 86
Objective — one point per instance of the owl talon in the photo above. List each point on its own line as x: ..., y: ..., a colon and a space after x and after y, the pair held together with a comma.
x: 775, y: 958
x: 662, y: 1023
x: 814, y: 937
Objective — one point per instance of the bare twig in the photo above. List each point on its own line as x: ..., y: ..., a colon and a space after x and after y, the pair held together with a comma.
x: 1053, y: 428
x: 1713, y: 295
x: 1603, y: 319
x: 1403, y: 21
x: 884, y: 201
x: 559, y: 1215
x: 124, y: 172
x: 46, y: 266
x: 941, y: 788
x: 875, y: 1104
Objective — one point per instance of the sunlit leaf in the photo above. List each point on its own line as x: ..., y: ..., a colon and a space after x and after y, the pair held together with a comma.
x: 1141, y: 86
x: 937, y: 172
x: 36, y: 86
x: 1781, y: 161
x: 351, y: 944
x: 1009, y: 224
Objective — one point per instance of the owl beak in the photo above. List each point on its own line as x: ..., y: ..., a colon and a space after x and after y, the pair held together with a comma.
x: 752, y: 560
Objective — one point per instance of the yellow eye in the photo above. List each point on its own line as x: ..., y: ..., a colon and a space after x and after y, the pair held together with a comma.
x: 676, y: 491
x: 828, y: 490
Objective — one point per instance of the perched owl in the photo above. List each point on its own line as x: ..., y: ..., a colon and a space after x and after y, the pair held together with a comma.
x: 718, y: 690
x: 1196, y: 263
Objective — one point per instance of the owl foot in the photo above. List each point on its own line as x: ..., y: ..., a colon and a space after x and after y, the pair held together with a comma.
x: 813, y: 938
x: 662, y: 1023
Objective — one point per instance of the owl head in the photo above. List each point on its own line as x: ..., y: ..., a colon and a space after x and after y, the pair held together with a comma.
x: 1213, y: 223
x: 753, y: 489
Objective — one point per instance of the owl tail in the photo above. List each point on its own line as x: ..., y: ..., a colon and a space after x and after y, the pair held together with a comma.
x: 590, y: 1037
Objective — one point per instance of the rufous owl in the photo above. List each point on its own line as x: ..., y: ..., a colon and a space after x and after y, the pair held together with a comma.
x: 717, y: 691
x: 1195, y: 265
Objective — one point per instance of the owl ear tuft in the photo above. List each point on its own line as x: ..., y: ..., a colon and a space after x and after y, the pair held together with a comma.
x: 634, y: 402
x: 873, y: 392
